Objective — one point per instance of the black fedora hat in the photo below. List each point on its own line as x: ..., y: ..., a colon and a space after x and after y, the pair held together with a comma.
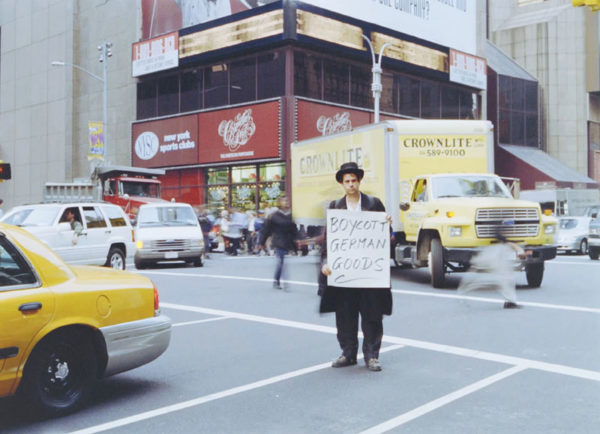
x: 350, y: 167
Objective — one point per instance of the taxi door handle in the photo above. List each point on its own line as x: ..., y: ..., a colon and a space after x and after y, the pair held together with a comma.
x: 30, y: 306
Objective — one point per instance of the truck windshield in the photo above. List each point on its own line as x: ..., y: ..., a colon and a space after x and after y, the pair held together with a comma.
x: 44, y: 216
x: 144, y: 189
x: 469, y: 186
x: 167, y: 216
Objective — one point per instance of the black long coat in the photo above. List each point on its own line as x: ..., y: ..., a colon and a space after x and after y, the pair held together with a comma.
x: 378, y: 300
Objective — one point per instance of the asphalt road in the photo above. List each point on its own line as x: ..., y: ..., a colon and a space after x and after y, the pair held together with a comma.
x: 247, y: 358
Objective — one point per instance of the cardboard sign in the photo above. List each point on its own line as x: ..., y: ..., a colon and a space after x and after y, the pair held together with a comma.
x: 358, y: 249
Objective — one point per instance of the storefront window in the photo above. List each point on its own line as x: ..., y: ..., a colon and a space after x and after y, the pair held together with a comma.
x: 218, y: 197
x: 307, y: 75
x: 243, y: 197
x: 409, y: 96
x: 216, y: 86
x: 146, y: 99
x: 243, y: 174
x: 335, y: 77
x: 272, y: 172
x: 218, y: 176
x: 270, y: 192
x: 191, y: 90
x: 360, y: 87
x: 430, y: 100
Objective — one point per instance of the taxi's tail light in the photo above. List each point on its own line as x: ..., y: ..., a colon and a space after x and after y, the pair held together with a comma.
x: 156, y: 302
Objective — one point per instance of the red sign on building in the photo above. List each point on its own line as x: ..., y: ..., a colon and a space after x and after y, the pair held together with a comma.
x: 315, y: 119
x: 166, y: 142
x: 242, y: 133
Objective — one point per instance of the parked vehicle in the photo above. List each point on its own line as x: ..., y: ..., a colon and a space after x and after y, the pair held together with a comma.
x: 106, y: 236
x: 128, y: 187
x: 436, y: 180
x: 594, y: 238
x: 573, y: 234
x: 168, y: 232
x: 63, y: 327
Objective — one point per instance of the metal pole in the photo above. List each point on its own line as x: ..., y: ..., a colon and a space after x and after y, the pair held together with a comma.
x: 104, y: 102
x: 376, y: 85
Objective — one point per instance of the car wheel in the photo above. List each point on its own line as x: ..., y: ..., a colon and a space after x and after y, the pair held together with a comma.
x: 115, y: 259
x: 436, y: 264
x: 583, y: 247
x: 594, y: 253
x: 534, y: 274
x: 60, y: 373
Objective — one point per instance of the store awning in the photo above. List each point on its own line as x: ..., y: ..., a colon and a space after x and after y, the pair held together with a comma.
x: 532, y: 165
x: 503, y: 64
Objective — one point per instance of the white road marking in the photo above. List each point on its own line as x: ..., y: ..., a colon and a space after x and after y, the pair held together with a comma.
x: 447, y: 349
x: 440, y: 402
x: 398, y: 291
x: 212, y: 397
x: 179, y: 324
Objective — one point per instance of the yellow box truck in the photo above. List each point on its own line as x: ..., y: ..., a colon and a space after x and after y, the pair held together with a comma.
x: 436, y: 180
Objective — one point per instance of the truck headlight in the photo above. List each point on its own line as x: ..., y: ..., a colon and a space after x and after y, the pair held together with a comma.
x: 550, y: 229
x: 455, y: 231
x: 139, y: 244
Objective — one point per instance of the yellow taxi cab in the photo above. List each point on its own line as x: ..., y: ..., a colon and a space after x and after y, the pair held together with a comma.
x: 64, y: 327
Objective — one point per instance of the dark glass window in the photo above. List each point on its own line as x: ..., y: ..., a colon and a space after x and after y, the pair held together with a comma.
x: 430, y: 100
x: 271, y: 75
x: 191, y: 90
x: 504, y: 127
x: 468, y: 105
x: 518, y: 94
x: 168, y: 95
x: 146, y: 99
x: 531, y: 129
x: 450, y: 103
x: 409, y: 96
x: 387, y: 102
x: 518, y: 111
x: 242, y: 79
x: 335, y: 79
x: 307, y: 75
x: 531, y: 96
x: 517, y: 128
x: 360, y: 87
x: 215, y: 86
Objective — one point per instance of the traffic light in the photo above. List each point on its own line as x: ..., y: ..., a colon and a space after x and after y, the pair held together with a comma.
x: 4, y: 171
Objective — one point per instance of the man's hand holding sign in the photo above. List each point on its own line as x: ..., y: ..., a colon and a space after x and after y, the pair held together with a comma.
x: 358, y: 246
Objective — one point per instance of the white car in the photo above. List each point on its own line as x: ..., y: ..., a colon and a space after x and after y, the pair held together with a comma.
x: 104, y: 237
x: 168, y: 232
x: 573, y: 234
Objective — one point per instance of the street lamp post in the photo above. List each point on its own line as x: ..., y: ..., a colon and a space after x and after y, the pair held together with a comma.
x: 105, y: 52
x: 376, y: 86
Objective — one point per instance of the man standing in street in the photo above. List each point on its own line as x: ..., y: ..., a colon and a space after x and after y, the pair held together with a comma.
x: 348, y: 303
x: 281, y: 228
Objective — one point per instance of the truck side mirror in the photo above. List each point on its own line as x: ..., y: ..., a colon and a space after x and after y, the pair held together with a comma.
x: 404, y: 206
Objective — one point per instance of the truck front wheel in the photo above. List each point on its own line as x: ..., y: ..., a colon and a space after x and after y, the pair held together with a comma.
x: 436, y: 263
x: 535, y: 274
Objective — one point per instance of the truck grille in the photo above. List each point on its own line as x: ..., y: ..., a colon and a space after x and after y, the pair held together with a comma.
x: 170, y: 245
x: 512, y: 222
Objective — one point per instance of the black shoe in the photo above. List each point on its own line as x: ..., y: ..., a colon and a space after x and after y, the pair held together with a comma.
x: 511, y: 305
x: 343, y: 361
x: 373, y: 365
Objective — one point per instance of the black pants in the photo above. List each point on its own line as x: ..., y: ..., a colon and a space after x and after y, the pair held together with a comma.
x: 346, y: 319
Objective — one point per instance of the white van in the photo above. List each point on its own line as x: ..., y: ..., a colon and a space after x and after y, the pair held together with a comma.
x: 102, y: 236
x: 168, y: 232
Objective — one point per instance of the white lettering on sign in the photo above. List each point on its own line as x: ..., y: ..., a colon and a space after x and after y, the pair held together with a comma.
x: 336, y: 124
x: 146, y: 145
x: 358, y: 249
x: 238, y: 131
x: 177, y: 142
x: 155, y: 54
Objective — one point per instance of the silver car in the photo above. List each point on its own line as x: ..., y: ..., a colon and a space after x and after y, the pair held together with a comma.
x: 573, y: 234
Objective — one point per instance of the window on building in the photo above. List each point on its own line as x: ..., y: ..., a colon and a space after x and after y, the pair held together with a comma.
x: 450, y: 103
x: 191, y: 90
x: 271, y: 75
x: 336, y: 75
x: 216, y: 86
x: 242, y: 80
x: 518, y: 111
x: 168, y: 95
x: 409, y: 96
x: 388, y: 99
x: 146, y: 99
x: 360, y: 86
x: 307, y: 75
x: 430, y: 100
